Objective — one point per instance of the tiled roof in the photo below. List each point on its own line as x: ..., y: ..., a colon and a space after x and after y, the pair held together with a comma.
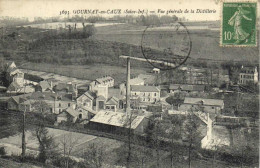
x: 87, y: 109
x: 64, y: 86
x: 72, y: 112
x: 14, y: 85
x: 104, y: 79
x: 87, y: 94
x: 44, y: 85
x: 209, y: 102
x: 101, y: 98
x: 116, y: 119
x: 248, y: 69
x: 136, y: 81
x: 142, y: 88
x: 112, y: 100
x: 112, y: 92
x: 47, y: 96
x: 186, y: 87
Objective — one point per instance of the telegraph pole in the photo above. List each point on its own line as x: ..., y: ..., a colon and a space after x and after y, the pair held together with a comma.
x: 128, y: 86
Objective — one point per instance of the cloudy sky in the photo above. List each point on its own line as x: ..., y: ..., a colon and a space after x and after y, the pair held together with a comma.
x: 50, y: 8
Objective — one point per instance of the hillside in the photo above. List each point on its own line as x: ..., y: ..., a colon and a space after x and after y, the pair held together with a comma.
x: 42, y: 46
x: 205, y: 42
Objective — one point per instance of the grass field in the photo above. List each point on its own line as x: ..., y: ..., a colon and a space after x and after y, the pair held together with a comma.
x: 79, y: 141
x: 85, y: 72
x: 205, y: 43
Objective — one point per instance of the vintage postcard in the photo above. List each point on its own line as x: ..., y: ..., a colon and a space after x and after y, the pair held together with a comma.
x: 129, y: 84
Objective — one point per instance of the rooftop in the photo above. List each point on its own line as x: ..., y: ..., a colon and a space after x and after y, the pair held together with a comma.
x: 209, y: 102
x: 142, y: 88
x: 104, y: 79
x: 187, y: 87
x: 116, y: 119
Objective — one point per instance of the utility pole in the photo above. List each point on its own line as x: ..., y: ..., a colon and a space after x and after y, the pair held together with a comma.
x: 127, y: 110
x: 23, y: 133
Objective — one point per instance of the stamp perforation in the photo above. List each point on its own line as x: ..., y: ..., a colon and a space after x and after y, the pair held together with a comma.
x: 221, y: 23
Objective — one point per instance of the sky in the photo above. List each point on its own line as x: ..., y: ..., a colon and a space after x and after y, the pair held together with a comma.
x: 52, y: 8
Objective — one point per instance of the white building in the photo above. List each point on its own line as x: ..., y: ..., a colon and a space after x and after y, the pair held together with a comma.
x: 145, y: 93
x: 248, y: 74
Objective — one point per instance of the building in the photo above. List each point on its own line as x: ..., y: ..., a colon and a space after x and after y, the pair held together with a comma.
x: 85, y: 100
x: 150, y: 94
x: 112, y: 104
x: 14, y: 75
x: 68, y: 115
x: 156, y: 70
x: 148, y: 79
x: 57, y: 102
x: 212, y: 106
x: 133, y: 81
x: 105, y: 80
x: 186, y: 88
x: 43, y: 86
x: 111, y: 122
x: 247, y: 75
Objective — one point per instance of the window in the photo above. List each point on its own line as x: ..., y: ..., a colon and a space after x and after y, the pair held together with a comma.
x: 107, y: 107
x: 212, y: 107
x: 50, y: 109
x: 112, y: 107
x: 80, y: 116
x: 68, y: 104
x: 154, y: 94
x: 59, y: 105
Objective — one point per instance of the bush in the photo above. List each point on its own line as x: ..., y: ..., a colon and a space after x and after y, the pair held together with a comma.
x: 2, y: 151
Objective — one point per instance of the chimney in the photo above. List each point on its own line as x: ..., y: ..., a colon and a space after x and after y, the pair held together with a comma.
x: 51, y: 84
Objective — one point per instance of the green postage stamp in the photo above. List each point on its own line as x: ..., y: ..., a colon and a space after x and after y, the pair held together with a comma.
x: 238, y: 24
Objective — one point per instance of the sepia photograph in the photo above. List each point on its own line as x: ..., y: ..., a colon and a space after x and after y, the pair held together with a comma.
x: 129, y: 84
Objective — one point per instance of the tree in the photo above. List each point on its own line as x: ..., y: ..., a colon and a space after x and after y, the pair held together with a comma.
x: 191, y: 126
x: 68, y: 143
x: 94, y: 156
x: 47, y: 146
x: 173, y: 130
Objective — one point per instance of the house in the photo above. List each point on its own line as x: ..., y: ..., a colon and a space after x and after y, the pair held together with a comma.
x: 67, y: 88
x: 186, y: 87
x: 150, y: 94
x: 133, y: 81
x: 111, y: 122
x: 148, y: 79
x: 83, y: 88
x: 105, y: 80
x: 247, y: 75
x: 57, y: 102
x: 68, y: 115
x: 112, y: 104
x: 100, y: 90
x: 43, y: 86
x: 212, y: 106
x: 14, y: 75
x: 85, y: 100
x: 85, y: 113
x: 100, y: 103
x: 14, y: 87
x: 156, y: 70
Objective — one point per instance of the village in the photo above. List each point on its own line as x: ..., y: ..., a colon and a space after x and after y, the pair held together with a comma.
x: 101, y: 105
